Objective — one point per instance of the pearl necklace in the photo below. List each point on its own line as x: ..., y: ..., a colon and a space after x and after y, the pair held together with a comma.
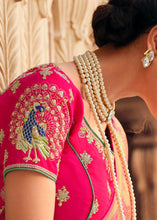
x: 91, y: 76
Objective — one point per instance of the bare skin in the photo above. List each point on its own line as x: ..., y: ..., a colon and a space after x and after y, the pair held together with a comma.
x: 124, y: 76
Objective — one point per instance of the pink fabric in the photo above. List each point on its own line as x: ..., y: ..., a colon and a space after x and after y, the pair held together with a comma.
x: 42, y: 129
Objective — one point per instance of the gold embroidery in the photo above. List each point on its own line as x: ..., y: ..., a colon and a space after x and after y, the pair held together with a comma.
x: 53, y: 88
x: 71, y: 95
x: 95, y: 208
x: 31, y: 136
x: 31, y: 166
x: 1, y: 136
x: 62, y: 195
x: 5, y: 157
x: 32, y: 125
x: 82, y: 132
x: 86, y: 159
x: 15, y: 86
x: 45, y: 72
x: 60, y: 93
x: 54, y: 101
x: 85, y: 132
x: 59, y: 107
x: 89, y: 138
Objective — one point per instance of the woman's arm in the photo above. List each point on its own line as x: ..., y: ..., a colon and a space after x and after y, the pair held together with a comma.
x: 28, y: 196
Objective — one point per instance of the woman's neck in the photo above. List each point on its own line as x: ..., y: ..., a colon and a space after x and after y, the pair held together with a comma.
x: 120, y: 71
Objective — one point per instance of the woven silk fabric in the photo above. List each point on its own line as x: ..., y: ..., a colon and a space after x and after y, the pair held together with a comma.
x: 43, y: 129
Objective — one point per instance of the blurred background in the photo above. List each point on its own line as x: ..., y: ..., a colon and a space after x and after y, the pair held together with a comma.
x: 34, y: 32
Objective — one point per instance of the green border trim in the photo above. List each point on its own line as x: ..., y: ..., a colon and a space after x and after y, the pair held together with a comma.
x: 95, y: 133
x: 31, y: 169
x: 86, y: 173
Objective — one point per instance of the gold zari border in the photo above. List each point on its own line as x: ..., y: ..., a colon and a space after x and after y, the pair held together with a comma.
x: 30, y: 166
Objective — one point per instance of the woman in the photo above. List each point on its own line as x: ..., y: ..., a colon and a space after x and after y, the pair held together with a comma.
x: 63, y: 154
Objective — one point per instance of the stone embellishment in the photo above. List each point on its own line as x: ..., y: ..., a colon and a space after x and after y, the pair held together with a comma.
x: 62, y: 196
x: 1, y: 136
x: 148, y: 58
x: 86, y: 159
x: 95, y: 208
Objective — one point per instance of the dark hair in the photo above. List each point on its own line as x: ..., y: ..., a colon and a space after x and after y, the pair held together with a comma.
x: 122, y: 21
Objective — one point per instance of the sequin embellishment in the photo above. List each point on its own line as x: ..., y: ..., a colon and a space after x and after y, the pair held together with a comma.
x: 86, y: 159
x: 1, y: 136
x: 62, y: 195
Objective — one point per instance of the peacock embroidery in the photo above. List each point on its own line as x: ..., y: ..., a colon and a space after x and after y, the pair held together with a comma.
x: 32, y: 135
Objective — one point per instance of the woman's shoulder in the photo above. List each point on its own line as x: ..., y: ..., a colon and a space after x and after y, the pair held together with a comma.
x: 42, y: 84
x: 41, y: 75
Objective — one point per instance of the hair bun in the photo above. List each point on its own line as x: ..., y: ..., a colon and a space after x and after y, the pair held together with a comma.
x: 113, y: 22
x: 120, y: 3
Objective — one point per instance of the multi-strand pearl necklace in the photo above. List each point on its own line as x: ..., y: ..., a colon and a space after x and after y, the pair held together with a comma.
x: 91, y: 76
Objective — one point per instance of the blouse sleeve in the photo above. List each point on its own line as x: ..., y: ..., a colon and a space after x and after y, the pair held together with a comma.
x: 37, y: 123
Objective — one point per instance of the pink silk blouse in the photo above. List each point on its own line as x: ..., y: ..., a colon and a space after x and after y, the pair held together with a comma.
x: 43, y: 129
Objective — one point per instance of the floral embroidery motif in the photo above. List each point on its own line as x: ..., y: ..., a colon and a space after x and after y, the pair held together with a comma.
x: 45, y: 71
x: 62, y: 195
x: 34, y: 129
x: 15, y: 86
x: 5, y: 157
x: 95, y: 208
x: 1, y: 136
x: 71, y: 95
x: 86, y: 159
x: 85, y: 132
x: 82, y: 132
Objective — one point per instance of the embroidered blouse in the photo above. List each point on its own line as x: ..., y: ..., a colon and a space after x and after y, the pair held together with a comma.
x: 43, y: 129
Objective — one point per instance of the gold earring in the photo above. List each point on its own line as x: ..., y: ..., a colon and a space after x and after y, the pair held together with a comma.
x: 148, y: 58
